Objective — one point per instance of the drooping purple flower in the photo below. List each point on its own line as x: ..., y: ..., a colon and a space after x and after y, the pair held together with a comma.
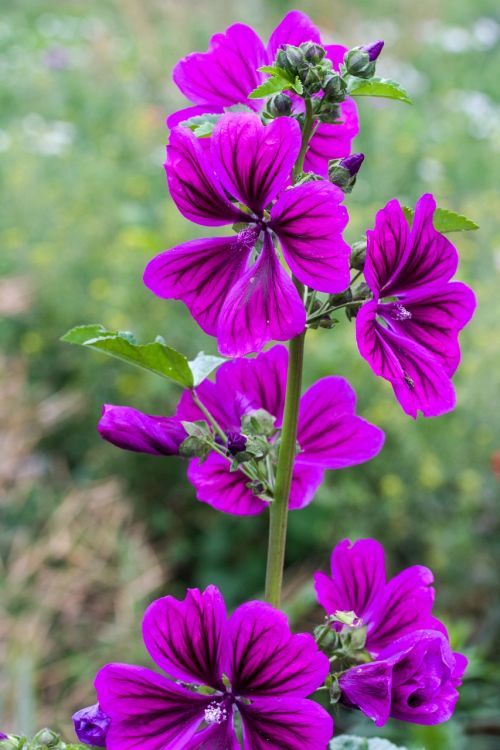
x: 388, y: 609
x: 227, y: 73
x: 243, y: 300
x: 92, y: 725
x: 132, y: 430
x: 330, y: 435
x: 373, y: 49
x: 414, y: 679
x: 408, y: 332
x: 249, y: 664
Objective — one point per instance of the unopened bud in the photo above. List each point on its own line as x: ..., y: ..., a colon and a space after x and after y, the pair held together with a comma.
x: 358, y: 255
x: 312, y: 52
x: 236, y: 443
x: 373, y: 50
x: 279, y: 105
x: 358, y: 63
x: 289, y: 58
x: 311, y: 77
x: 343, y: 172
x: 361, y: 291
x: 92, y: 725
x: 334, y: 88
x: 46, y: 738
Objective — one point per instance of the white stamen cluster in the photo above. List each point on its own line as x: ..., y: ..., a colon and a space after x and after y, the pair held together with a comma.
x: 400, y: 313
x: 215, y: 714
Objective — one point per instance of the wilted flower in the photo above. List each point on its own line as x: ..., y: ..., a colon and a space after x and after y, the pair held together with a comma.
x: 92, y: 725
x: 330, y: 435
x: 247, y: 302
x: 408, y: 333
x: 227, y: 73
x: 145, y: 433
x: 414, y: 679
x: 248, y: 664
x: 387, y: 609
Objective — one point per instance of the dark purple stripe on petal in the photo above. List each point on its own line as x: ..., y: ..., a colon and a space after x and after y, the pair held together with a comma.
x: 222, y: 489
x: 287, y: 722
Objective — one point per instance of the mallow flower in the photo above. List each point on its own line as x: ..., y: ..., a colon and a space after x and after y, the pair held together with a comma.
x: 408, y: 332
x: 235, y: 287
x: 330, y: 435
x: 91, y: 725
x: 227, y: 73
x: 414, y: 679
x: 247, y: 668
x: 388, y: 609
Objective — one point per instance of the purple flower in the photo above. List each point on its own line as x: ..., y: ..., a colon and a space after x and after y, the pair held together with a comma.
x: 388, y: 609
x: 3, y: 736
x: 236, y: 443
x: 242, y: 301
x: 411, y: 338
x: 373, y: 50
x: 248, y: 664
x: 134, y: 431
x: 415, y: 679
x: 92, y: 725
x: 330, y: 435
x: 227, y: 73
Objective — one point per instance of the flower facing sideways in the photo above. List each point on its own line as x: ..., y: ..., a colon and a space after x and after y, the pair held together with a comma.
x: 330, y: 434
x: 408, y: 333
x: 235, y: 287
x: 227, y: 74
x: 247, y: 669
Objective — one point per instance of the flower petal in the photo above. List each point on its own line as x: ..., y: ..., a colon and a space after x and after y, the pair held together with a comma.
x: 305, y: 481
x: 193, y: 186
x: 405, y: 604
x: 264, y: 658
x: 386, y: 246
x: 254, y: 161
x: 146, y: 709
x: 145, y: 433
x: 185, y: 638
x: 295, y: 28
x: 368, y: 687
x: 285, y: 724
x: 329, y: 433
x: 437, y: 316
x: 262, y: 306
x: 309, y: 220
x: 358, y: 577
x: 216, y: 737
x: 227, y: 73
x: 332, y: 141
x: 419, y: 380
x: 222, y: 489
x: 201, y: 274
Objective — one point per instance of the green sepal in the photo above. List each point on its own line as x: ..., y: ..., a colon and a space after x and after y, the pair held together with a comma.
x: 380, y: 87
x: 156, y: 356
x: 198, y: 442
x: 201, y: 125
x: 445, y: 221
x: 258, y: 422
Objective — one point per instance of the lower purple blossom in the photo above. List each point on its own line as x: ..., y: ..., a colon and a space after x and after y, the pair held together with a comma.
x: 248, y: 664
x: 415, y: 679
x: 92, y: 725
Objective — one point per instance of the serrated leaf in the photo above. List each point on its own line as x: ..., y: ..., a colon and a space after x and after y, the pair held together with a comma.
x: 273, y: 85
x: 297, y: 86
x: 445, y: 221
x: 155, y: 357
x: 380, y: 87
x: 202, y: 365
x: 350, y: 742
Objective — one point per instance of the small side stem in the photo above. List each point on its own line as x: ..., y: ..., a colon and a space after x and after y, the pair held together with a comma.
x: 211, y: 419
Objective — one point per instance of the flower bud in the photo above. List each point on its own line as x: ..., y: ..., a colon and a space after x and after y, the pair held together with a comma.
x: 46, y: 738
x: 279, y: 105
x: 312, y: 52
x: 92, y: 725
x: 334, y: 88
x: 311, y: 77
x: 358, y: 63
x: 373, y: 50
x: 343, y: 172
x: 358, y: 255
x: 289, y: 58
x: 361, y: 291
x: 236, y: 443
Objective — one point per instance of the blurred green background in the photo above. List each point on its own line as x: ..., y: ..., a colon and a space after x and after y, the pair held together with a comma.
x: 89, y: 534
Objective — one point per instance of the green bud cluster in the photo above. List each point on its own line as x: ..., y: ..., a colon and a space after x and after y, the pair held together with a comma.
x: 45, y: 739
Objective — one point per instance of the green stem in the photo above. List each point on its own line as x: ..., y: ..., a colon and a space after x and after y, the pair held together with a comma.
x: 307, y: 131
x: 279, y: 508
x: 328, y: 310
x: 201, y: 406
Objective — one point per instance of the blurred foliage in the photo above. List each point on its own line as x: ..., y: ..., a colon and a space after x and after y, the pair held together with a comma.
x: 85, y: 90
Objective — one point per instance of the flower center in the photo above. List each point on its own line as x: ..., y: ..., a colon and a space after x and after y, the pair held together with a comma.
x: 398, y: 312
x: 215, y: 713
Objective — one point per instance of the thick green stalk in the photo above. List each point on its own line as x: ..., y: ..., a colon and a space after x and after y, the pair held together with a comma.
x: 278, y: 509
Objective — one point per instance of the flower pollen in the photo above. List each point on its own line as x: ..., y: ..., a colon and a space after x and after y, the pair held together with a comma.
x: 215, y: 713
x: 398, y: 312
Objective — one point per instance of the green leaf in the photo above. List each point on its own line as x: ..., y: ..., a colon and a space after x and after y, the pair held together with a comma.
x: 377, y: 87
x: 273, y: 85
x: 155, y: 357
x: 201, y: 125
x: 445, y: 221
x: 203, y: 365
x: 350, y: 742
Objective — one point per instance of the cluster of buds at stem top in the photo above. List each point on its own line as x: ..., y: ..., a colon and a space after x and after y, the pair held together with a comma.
x: 307, y: 63
x: 45, y: 739
x: 360, y: 61
x: 343, y: 172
